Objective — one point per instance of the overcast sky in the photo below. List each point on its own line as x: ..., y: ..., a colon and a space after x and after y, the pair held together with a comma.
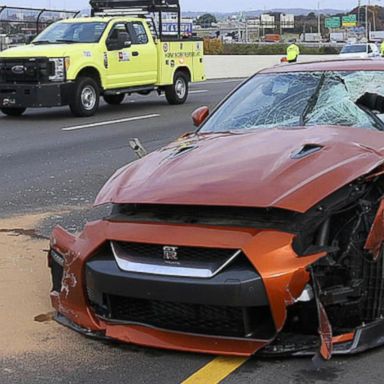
x: 206, y: 5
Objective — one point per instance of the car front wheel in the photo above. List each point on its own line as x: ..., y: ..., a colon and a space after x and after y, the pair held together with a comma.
x: 86, y: 97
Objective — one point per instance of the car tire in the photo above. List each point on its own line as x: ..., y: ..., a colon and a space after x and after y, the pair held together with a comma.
x: 114, y: 99
x: 177, y: 93
x: 86, y: 98
x: 13, y: 111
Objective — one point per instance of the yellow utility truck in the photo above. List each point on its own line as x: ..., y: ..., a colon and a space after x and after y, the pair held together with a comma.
x: 120, y: 50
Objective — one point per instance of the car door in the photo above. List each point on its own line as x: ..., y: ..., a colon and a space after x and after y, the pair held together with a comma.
x: 118, y: 60
x: 144, y: 55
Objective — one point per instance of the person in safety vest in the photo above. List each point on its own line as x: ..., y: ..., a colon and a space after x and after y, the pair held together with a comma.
x: 382, y: 49
x: 293, y: 52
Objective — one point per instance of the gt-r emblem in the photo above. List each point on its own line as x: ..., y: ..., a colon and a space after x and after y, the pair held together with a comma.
x: 170, y: 253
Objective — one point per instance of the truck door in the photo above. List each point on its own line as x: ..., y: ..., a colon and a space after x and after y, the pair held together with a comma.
x: 144, y: 55
x: 118, y: 59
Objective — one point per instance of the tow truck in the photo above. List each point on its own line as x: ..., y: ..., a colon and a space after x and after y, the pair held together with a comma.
x: 120, y: 50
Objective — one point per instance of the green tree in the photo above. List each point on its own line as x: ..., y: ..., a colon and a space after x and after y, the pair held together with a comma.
x: 206, y: 20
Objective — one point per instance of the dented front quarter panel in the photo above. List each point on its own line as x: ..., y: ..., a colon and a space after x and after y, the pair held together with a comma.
x: 284, y: 273
x: 71, y: 301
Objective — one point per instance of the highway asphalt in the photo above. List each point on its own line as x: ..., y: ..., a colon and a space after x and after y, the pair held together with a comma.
x: 49, y: 159
x: 52, y: 161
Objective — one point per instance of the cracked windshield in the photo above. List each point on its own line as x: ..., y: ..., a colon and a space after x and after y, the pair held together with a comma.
x: 303, y: 99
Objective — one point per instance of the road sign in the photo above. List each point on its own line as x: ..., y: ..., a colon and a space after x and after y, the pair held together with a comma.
x: 349, y: 21
x: 374, y: 35
x: 171, y: 28
x: 332, y: 22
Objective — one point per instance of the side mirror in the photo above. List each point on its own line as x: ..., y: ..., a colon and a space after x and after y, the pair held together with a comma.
x: 200, y: 115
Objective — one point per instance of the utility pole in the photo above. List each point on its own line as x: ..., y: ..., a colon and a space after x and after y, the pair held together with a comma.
x: 246, y: 30
x: 366, y: 20
x: 358, y: 12
x: 318, y: 21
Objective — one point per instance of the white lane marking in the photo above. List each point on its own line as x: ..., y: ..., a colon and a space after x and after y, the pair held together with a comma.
x: 193, y: 91
x: 218, y: 81
x: 199, y: 91
x: 91, y: 125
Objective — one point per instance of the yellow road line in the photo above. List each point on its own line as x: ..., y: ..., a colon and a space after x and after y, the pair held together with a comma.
x: 216, y: 371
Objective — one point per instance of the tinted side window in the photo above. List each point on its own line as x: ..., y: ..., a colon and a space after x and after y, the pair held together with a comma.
x: 120, y: 27
x: 140, y: 34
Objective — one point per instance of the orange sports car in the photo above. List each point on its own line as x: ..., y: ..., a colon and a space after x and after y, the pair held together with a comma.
x: 260, y: 232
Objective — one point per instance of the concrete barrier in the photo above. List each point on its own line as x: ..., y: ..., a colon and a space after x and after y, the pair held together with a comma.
x: 221, y: 66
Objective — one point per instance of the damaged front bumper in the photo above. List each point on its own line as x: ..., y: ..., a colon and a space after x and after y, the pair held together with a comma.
x: 364, y: 338
x: 93, y: 296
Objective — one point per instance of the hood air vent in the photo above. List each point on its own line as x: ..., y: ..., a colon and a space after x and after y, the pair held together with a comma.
x: 306, y: 150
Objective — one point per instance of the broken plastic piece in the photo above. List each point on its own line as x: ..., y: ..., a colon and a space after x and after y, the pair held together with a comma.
x: 374, y: 243
x: 325, y: 327
x: 138, y: 148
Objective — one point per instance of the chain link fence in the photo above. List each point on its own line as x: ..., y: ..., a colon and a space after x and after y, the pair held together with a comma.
x: 19, y: 25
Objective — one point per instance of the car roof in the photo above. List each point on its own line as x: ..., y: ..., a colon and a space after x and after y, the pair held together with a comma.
x: 329, y: 65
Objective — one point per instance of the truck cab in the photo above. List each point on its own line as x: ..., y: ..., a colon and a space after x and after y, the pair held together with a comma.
x: 114, y: 53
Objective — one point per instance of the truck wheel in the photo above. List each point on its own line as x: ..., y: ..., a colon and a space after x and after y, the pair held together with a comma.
x: 13, y: 111
x: 86, y: 98
x: 114, y: 99
x: 177, y: 93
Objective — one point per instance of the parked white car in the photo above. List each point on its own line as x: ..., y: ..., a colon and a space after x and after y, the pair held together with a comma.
x: 359, y: 51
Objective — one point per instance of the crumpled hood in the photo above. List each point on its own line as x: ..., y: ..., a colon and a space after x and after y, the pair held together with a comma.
x: 256, y: 169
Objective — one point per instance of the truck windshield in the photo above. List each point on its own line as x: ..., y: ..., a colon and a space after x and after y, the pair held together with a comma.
x: 268, y: 101
x: 77, y: 32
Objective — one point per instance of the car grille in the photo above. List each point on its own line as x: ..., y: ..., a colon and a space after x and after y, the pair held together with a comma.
x: 197, y: 254
x: 204, y: 319
x: 172, y: 261
x: 155, y: 301
x: 189, y: 318
x: 25, y: 70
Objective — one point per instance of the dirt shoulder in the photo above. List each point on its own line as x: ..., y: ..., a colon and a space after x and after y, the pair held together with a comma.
x: 24, y: 286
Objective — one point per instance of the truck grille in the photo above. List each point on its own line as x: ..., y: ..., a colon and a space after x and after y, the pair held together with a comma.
x: 25, y: 70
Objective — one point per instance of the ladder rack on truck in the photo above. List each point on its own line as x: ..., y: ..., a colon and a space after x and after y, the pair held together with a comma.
x: 139, y: 8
